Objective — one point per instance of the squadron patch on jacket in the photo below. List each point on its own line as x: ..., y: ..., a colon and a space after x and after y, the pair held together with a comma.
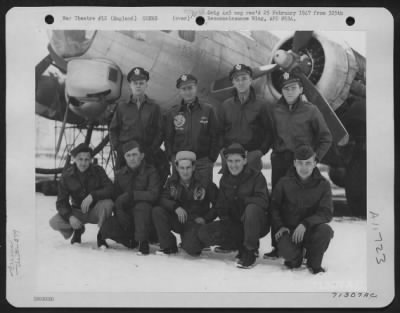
x: 199, y: 193
x: 179, y: 121
x: 173, y: 191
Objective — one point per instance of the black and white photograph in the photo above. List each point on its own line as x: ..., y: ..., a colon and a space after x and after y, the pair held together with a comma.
x: 170, y: 160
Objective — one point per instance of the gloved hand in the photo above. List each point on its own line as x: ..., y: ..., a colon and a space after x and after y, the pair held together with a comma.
x: 74, y: 222
x: 124, y: 201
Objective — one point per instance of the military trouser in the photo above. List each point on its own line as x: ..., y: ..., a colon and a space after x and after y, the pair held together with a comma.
x: 281, y: 162
x: 232, y: 234
x: 138, y: 226
x: 166, y: 221
x: 316, y: 241
x: 96, y: 215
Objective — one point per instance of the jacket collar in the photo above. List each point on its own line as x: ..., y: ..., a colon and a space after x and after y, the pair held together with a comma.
x: 298, y: 103
x: 315, y: 177
x: 144, y: 100
x: 175, y: 179
x: 126, y: 169
x: 194, y: 105
x: 252, y: 96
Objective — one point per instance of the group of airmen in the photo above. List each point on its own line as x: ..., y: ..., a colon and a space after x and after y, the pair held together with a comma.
x: 147, y: 203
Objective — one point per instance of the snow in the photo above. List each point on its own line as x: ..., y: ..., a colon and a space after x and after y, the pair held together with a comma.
x: 62, y: 267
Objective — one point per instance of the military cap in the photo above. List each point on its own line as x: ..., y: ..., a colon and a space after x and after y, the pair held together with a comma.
x: 235, y: 148
x: 185, y: 79
x: 185, y: 155
x: 303, y: 152
x: 288, y: 78
x: 240, y: 69
x: 138, y: 73
x: 128, y: 146
x: 82, y: 147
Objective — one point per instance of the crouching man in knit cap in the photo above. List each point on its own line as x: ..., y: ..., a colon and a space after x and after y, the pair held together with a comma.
x: 185, y: 205
x: 301, y: 207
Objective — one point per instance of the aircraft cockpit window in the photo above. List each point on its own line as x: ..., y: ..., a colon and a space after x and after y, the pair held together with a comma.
x: 71, y: 43
x: 187, y: 35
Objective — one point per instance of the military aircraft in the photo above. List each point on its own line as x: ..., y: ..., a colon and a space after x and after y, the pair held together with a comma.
x: 84, y: 77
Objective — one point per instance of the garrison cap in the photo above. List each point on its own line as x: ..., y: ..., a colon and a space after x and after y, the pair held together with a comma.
x: 82, y: 147
x: 235, y: 148
x: 185, y: 79
x: 128, y: 146
x: 138, y: 73
x: 240, y: 69
x: 288, y: 78
x: 303, y: 152
x: 185, y: 155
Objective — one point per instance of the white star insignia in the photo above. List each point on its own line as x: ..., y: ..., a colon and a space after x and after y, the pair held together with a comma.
x: 286, y: 75
x: 137, y: 71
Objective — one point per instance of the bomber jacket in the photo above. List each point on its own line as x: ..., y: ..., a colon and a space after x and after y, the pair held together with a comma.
x: 77, y: 186
x: 192, y: 128
x: 131, y: 123
x: 195, y: 199
x: 248, y: 123
x: 236, y: 192
x: 304, y: 124
x: 296, y: 202
x: 141, y: 183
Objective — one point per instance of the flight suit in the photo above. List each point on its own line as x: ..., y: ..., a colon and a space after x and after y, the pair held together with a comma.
x: 135, y: 192
x: 196, y: 199
x: 295, y: 202
x: 73, y: 187
x: 143, y: 124
x: 193, y: 128
x: 242, y: 206
x: 303, y: 124
x: 248, y: 124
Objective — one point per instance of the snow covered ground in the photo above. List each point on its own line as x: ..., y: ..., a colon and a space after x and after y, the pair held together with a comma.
x: 61, y: 267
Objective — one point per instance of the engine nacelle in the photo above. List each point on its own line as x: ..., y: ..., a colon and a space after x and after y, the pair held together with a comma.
x: 91, y: 85
x: 333, y: 68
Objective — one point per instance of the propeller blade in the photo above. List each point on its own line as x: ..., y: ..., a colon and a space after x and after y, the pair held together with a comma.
x: 263, y: 70
x: 62, y: 130
x: 301, y: 39
x: 339, y: 133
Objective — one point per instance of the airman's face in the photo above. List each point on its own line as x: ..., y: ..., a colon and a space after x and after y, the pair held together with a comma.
x: 133, y: 158
x: 185, y: 169
x: 291, y: 92
x: 138, y: 87
x: 82, y: 161
x: 235, y: 163
x: 188, y: 92
x: 242, y: 82
x: 304, y: 168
